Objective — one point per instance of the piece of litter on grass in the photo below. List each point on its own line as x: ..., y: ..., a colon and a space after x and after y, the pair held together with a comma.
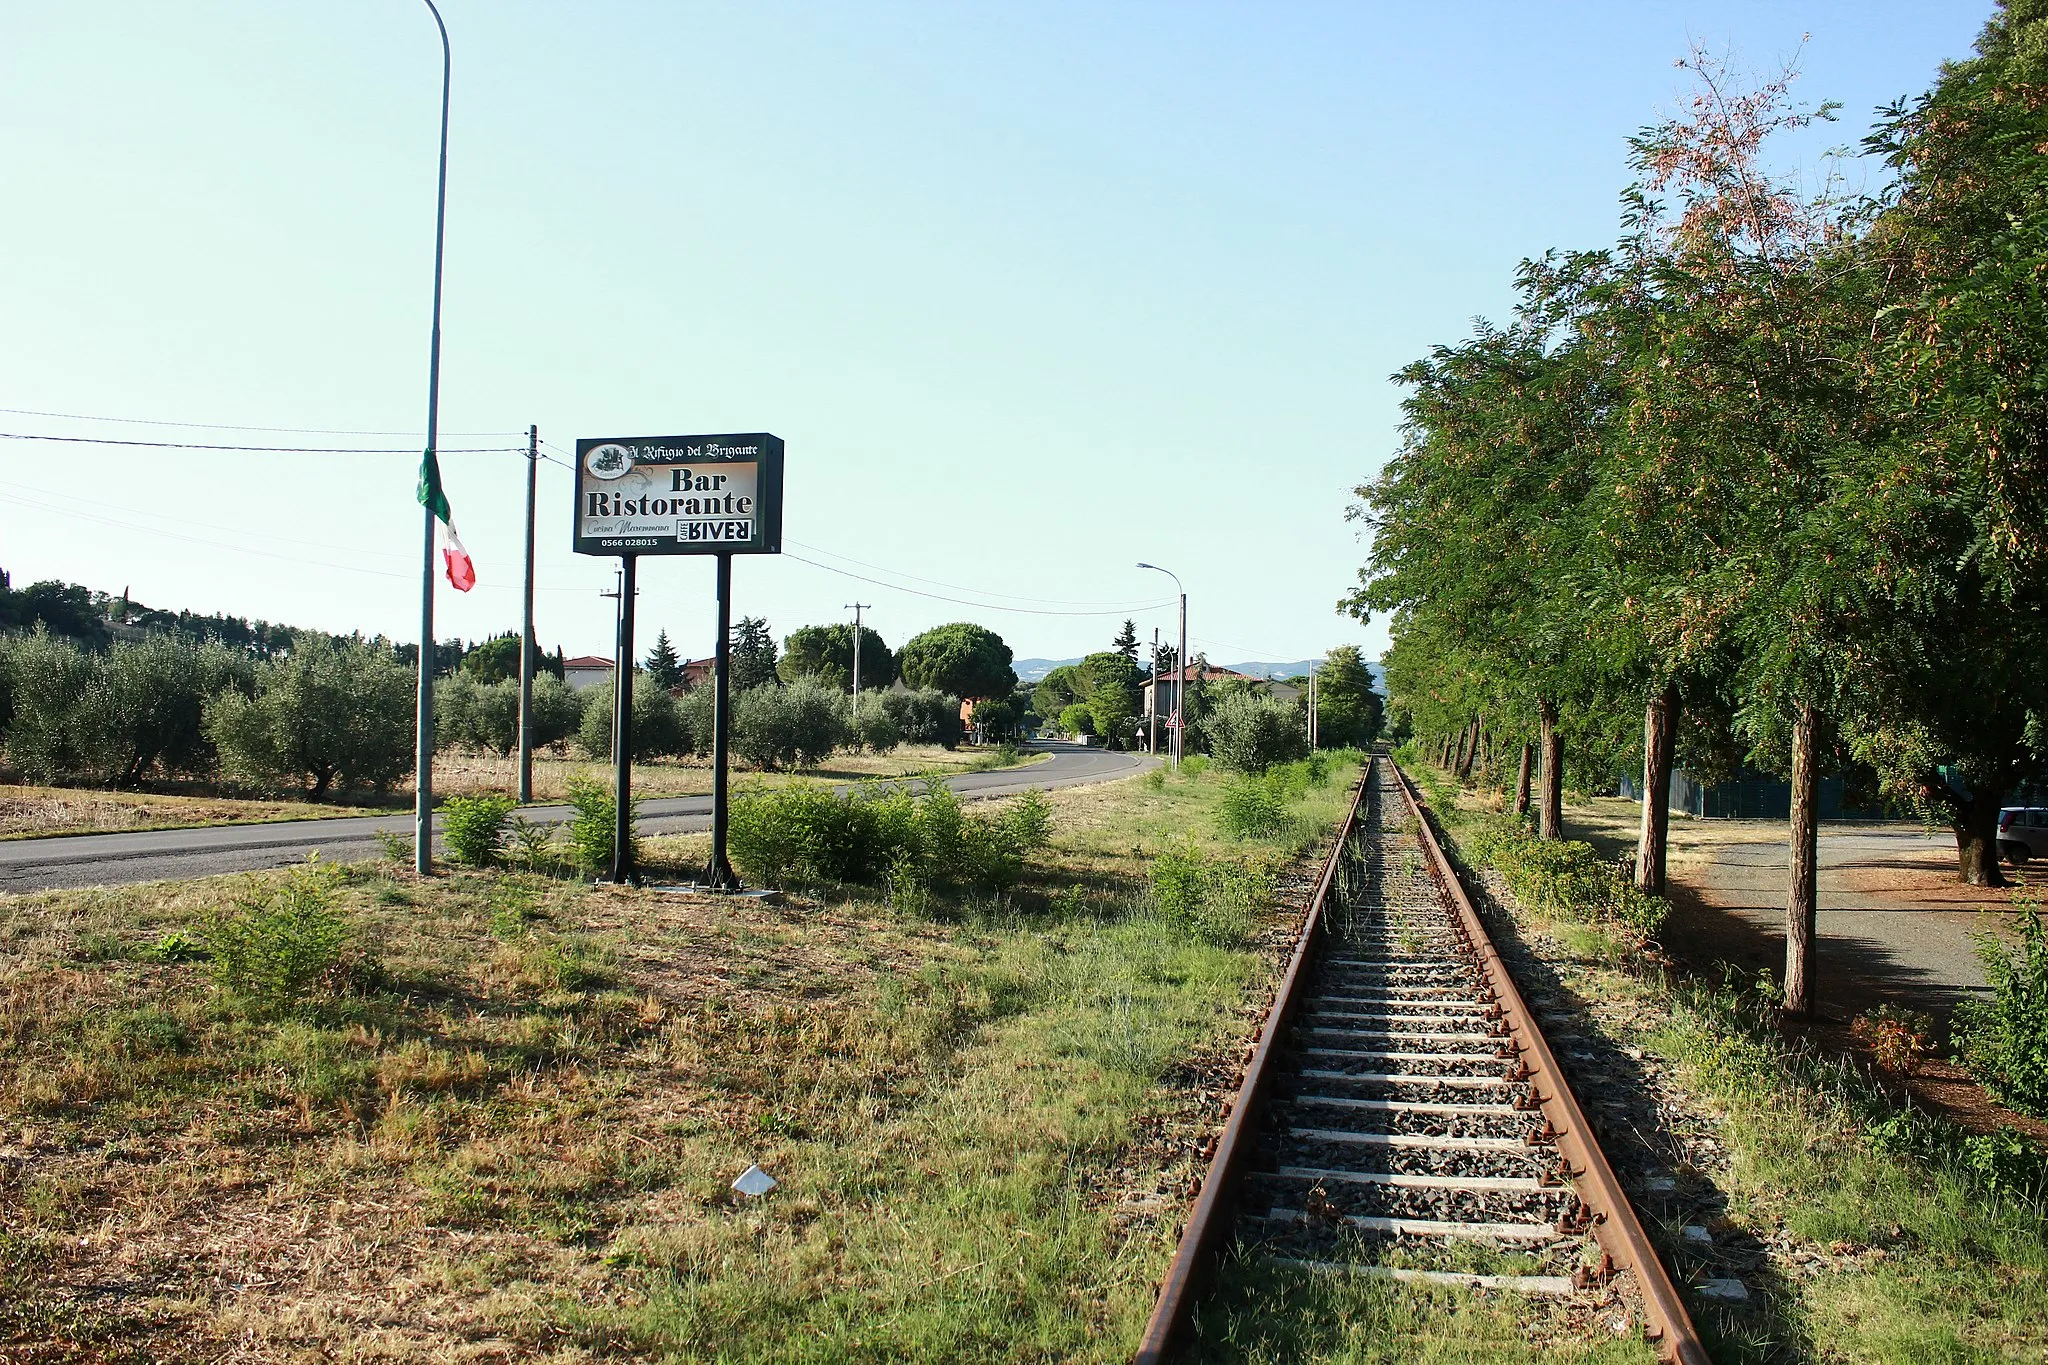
x: 1694, y: 1233
x: 754, y: 1182
x: 1661, y: 1184
x: 1727, y: 1291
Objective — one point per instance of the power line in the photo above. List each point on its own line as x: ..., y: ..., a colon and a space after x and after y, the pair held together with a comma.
x: 229, y: 426
x: 278, y: 450
x: 961, y: 601
x: 1242, y: 649
x: 1109, y: 608
x: 237, y: 546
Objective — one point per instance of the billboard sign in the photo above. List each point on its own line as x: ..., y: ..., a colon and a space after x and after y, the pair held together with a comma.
x: 679, y: 495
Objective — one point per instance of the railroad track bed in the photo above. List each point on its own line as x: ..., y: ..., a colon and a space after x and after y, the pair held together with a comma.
x: 1403, y: 1116
x: 1403, y: 1132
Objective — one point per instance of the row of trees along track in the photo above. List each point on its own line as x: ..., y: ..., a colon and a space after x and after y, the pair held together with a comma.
x: 1402, y: 1093
x: 1765, y: 482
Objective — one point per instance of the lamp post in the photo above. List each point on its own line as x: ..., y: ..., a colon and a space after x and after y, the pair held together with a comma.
x: 423, y: 757
x: 1180, y: 671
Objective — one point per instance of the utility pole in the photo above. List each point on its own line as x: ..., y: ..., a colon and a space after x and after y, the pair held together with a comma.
x: 528, y: 648
x: 1152, y: 700
x: 1312, y: 733
x: 423, y: 751
x: 1179, y: 723
x: 857, y: 608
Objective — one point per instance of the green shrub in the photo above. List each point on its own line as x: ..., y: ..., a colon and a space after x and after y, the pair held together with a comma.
x: 1564, y: 878
x: 175, y: 946
x: 915, y: 843
x: 1180, y: 881
x: 2007, y: 1164
x: 790, y: 836
x: 593, y: 828
x: 660, y: 729
x: 1029, y: 821
x: 1254, y: 808
x: 874, y: 729
x: 273, y: 945
x: 1218, y: 902
x: 2004, y: 1041
x: 473, y: 827
x: 797, y: 726
x: 1250, y: 733
x: 531, y: 845
x: 1154, y: 779
x: 1078, y: 719
x: 925, y: 715
x: 1193, y: 766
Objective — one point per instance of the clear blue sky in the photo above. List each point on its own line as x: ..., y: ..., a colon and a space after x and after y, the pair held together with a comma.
x: 1031, y: 291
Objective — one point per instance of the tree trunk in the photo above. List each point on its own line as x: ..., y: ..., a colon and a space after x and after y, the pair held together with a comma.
x: 1976, y: 826
x: 1472, y: 750
x: 1550, y: 804
x: 1802, y: 904
x: 1462, y: 765
x: 1522, y: 780
x: 1660, y: 729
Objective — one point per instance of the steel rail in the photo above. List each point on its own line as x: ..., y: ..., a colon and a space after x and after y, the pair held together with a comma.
x: 1615, y: 1225
x: 1211, y: 1214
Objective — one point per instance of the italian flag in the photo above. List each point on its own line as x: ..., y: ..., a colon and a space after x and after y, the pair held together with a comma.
x: 461, y: 568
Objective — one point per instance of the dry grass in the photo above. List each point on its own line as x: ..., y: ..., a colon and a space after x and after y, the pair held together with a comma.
x: 28, y: 812
x: 468, y: 774
x: 31, y: 812
x: 514, y: 1141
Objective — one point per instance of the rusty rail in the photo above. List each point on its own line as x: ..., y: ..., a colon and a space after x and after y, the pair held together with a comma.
x: 1211, y: 1215
x: 1615, y: 1225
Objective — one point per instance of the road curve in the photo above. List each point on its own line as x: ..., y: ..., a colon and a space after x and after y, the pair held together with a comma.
x: 175, y: 854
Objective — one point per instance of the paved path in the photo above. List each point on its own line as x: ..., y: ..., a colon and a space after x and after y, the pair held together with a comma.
x: 167, y: 854
x: 1892, y: 909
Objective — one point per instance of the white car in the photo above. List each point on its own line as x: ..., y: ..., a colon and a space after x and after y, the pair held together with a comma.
x: 2023, y: 833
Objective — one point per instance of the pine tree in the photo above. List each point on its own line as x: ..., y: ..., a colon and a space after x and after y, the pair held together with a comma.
x: 753, y: 654
x: 663, y: 667
x: 1126, y: 642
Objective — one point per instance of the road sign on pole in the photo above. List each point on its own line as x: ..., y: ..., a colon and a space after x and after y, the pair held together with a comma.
x: 678, y: 495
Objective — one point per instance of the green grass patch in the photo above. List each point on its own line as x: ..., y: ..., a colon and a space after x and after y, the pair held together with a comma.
x: 985, y: 1109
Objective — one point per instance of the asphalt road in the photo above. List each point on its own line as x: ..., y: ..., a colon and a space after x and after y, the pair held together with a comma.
x: 172, y: 854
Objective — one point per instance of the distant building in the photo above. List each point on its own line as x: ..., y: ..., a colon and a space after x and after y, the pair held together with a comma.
x: 1170, y: 687
x: 588, y: 670
x: 696, y: 672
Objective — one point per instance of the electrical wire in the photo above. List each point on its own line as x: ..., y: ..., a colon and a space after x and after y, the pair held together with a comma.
x: 961, y: 601
x: 1108, y: 608
x: 240, y: 546
x: 1242, y: 649
x: 230, y: 426
x: 276, y: 450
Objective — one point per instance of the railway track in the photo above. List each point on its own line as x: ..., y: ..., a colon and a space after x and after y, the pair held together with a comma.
x: 1402, y: 1115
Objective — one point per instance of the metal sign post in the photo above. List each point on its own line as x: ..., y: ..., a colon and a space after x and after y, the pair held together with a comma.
x: 677, y: 495
x: 718, y: 874
x: 623, y: 871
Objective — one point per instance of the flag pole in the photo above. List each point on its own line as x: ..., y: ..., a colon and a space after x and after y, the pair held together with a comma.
x: 423, y: 762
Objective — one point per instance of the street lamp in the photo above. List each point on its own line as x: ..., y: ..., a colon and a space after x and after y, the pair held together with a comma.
x: 423, y: 757
x: 1180, y: 705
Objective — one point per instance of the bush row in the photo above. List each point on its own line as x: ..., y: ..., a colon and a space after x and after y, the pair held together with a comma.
x: 338, y: 714
x: 1565, y: 878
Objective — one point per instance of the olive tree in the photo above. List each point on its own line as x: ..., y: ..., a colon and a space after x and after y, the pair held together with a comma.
x: 337, y: 713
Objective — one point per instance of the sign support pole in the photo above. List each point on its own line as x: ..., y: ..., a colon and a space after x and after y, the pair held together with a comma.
x: 529, y: 651
x: 623, y: 871
x: 718, y: 874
